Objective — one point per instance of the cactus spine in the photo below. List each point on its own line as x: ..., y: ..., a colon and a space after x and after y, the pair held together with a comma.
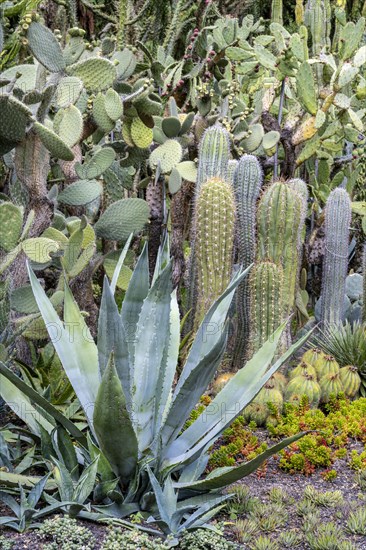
x: 214, y: 154
x: 266, y: 302
x: 214, y: 240
x: 248, y: 179
x: 337, y: 223
x: 280, y: 221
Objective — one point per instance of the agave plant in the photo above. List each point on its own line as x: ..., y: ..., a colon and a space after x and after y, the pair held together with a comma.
x: 135, y: 411
x: 347, y: 344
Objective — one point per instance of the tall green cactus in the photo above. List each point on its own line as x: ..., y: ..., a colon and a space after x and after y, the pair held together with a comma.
x: 337, y: 223
x: 267, y: 307
x: 364, y: 284
x: 213, y: 161
x: 248, y: 179
x: 318, y: 21
x: 214, y: 240
x: 277, y: 12
x: 280, y: 221
x: 214, y: 154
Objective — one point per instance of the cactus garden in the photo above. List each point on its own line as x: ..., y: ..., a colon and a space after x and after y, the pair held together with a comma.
x: 183, y: 274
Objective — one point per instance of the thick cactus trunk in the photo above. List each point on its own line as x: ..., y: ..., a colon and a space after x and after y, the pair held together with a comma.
x: 364, y: 284
x: 266, y: 283
x: 214, y: 227
x: 281, y: 217
x: 247, y: 184
x: 337, y: 223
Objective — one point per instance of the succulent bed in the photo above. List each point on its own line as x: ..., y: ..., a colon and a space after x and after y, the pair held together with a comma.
x: 182, y: 274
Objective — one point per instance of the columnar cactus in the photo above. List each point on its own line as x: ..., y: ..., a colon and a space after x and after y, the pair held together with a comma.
x: 214, y: 241
x: 213, y: 162
x: 214, y: 154
x: 337, y: 222
x: 248, y: 179
x: 266, y: 283
x: 364, y: 284
x: 280, y: 221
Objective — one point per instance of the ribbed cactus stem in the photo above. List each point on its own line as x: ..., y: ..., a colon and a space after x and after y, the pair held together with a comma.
x: 214, y: 154
x: 72, y: 11
x: 213, y: 160
x: 231, y: 167
x: 122, y: 18
x: 266, y: 283
x: 364, y: 284
x: 214, y: 227
x: 248, y: 180
x: 277, y: 12
x: 172, y: 31
x: 280, y: 221
x: 337, y: 223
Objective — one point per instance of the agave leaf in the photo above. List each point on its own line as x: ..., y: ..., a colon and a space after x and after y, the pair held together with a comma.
x: 210, y: 330
x: 202, y: 361
x: 112, y: 337
x: 195, y: 469
x: 194, y: 386
x: 200, y: 516
x: 9, y: 479
x: 42, y: 403
x: 168, y: 366
x: 20, y: 404
x: 104, y: 469
x: 151, y: 339
x: 218, y: 479
x: 119, y: 265
x: 63, y: 480
x: 73, y: 343
x: 164, y: 510
x: 113, y: 426
x: 229, y: 403
x: 136, y: 293
x: 162, y: 259
x: 36, y: 492
x: 86, y: 482
x: 66, y: 449
x: 10, y: 502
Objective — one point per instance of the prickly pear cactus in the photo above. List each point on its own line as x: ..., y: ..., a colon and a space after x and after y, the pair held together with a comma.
x: 337, y: 225
x: 11, y: 222
x: 214, y: 241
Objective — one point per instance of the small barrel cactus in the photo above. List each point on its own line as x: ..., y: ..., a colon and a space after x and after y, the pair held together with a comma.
x: 335, y: 263
x: 302, y: 369
x: 279, y: 380
x: 303, y: 384
x: 214, y: 241
x: 256, y: 412
x: 330, y: 384
x: 350, y: 380
x: 312, y: 355
x: 326, y: 365
x: 259, y: 410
